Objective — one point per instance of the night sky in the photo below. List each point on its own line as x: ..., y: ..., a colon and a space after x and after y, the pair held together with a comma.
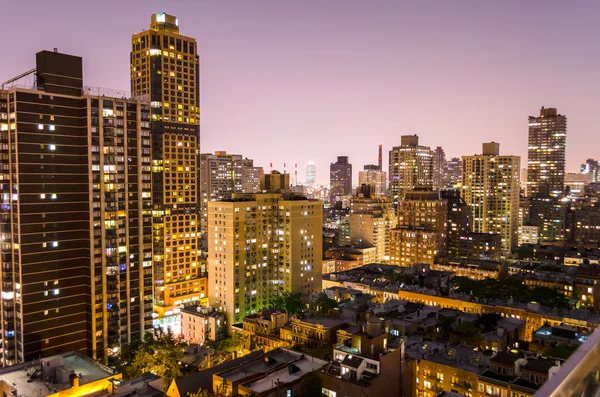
x: 294, y: 81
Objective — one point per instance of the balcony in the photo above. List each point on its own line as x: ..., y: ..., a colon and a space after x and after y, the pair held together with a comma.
x: 579, y: 375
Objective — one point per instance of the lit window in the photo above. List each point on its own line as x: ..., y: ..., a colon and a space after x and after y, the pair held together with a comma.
x: 40, y: 126
x: 53, y: 196
x: 42, y: 196
x: 55, y: 243
x: 56, y: 292
x: 52, y: 147
x: 51, y: 127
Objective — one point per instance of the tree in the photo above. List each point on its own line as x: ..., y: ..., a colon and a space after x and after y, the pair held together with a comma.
x: 291, y: 303
x: 325, y: 304
x: 311, y: 384
x: 468, y: 333
x: 159, y: 353
x: 228, y: 347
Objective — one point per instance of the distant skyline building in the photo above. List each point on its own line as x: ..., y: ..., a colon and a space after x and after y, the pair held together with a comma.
x: 311, y: 173
x: 453, y: 172
x: 165, y: 67
x: 223, y: 174
x: 491, y: 188
x: 340, y: 178
x: 591, y: 167
x: 411, y: 166
x: 546, y: 154
x: 439, y: 176
x: 372, y: 176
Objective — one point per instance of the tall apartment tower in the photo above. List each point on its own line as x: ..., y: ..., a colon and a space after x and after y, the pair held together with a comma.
x: 221, y: 175
x: 340, y: 177
x: 372, y: 176
x: 266, y: 245
x: 165, y: 66
x: 491, y: 188
x: 410, y: 166
x: 421, y: 234
x: 439, y: 176
x: 77, y: 260
x: 311, y: 173
x: 453, y: 172
x: 371, y: 220
x: 546, y: 154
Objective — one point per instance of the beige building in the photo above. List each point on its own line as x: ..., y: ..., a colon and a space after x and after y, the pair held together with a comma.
x: 411, y: 165
x: 372, y: 176
x: 370, y: 223
x: 260, y: 246
x: 491, y: 188
x: 202, y: 323
x: 411, y: 246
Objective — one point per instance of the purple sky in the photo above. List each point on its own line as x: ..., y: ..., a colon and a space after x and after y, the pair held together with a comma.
x: 294, y: 81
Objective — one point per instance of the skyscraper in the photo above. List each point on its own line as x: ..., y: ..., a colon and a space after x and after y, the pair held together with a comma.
x: 165, y: 66
x: 77, y: 265
x: 370, y: 223
x: 340, y: 177
x: 546, y: 154
x: 311, y: 173
x: 491, y: 188
x: 439, y: 177
x: 411, y: 166
x: 266, y: 245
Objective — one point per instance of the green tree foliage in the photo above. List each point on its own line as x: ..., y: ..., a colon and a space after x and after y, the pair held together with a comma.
x: 228, y: 347
x: 509, y: 287
x: 466, y: 333
x: 159, y: 353
x: 324, y: 304
x: 291, y: 303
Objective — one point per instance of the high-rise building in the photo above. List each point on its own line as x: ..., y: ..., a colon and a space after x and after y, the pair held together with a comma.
x: 453, y: 172
x: 439, y: 176
x: 591, y: 167
x: 375, y: 178
x: 546, y: 154
x: 410, y: 166
x: 311, y: 173
x: 421, y: 234
x: 549, y: 214
x: 460, y: 219
x: 266, y: 244
x: 77, y: 260
x: 340, y: 178
x: 491, y: 187
x: 223, y: 174
x: 370, y: 223
x: 165, y: 66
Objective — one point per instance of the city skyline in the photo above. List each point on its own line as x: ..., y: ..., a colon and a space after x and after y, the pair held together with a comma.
x: 269, y: 69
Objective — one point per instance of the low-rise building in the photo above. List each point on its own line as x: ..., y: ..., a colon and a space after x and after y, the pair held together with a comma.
x: 312, y: 331
x: 475, y: 269
x: 264, y: 328
x: 528, y: 234
x: 364, y: 364
x: 202, y: 323
x: 277, y: 373
x: 548, y: 337
x: 68, y: 374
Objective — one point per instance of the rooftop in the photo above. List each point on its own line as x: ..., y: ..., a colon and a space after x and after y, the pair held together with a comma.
x: 27, y: 378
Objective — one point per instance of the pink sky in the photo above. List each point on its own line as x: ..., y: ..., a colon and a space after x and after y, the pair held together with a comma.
x: 295, y: 81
